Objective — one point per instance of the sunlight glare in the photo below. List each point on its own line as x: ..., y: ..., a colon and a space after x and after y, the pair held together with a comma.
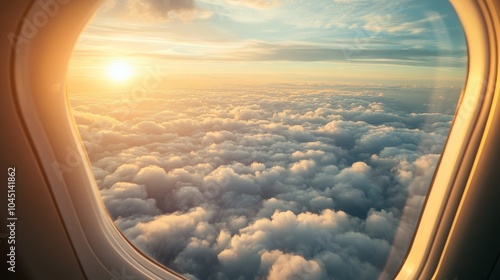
x: 119, y: 71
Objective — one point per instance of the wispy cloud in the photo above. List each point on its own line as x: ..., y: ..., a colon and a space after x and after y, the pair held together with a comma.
x: 383, y: 23
x: 154, y: 10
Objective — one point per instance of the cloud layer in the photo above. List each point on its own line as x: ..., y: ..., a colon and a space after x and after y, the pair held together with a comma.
x: 277, y: 182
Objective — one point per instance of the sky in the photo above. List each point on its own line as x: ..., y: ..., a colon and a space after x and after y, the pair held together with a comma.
x: 267, y: 139
x: 266, y: 41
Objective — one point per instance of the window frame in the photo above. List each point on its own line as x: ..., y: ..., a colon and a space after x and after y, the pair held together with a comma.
x: 102, y: 249
x: 39, y: 65
x: 459, y: 155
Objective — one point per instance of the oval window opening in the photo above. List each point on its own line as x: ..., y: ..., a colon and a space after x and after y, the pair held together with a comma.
x: 268, y: 139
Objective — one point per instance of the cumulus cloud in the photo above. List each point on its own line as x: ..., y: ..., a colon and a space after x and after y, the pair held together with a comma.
x: 303, y: 184
x: 127, y: 200
x: 286, y: 266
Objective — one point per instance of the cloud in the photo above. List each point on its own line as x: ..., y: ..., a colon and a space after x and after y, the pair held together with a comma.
x: 309, y: 183
x: 165, y: 10
x: 379, y: 23
x: 155, y: 10
x: 158, y: 184
x: 128, y: 200
x: 258, y: 4
x: 286, y: 266
x: 258, y: 50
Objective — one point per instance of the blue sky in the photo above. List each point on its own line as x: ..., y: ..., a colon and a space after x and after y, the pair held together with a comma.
x: 283, y: 40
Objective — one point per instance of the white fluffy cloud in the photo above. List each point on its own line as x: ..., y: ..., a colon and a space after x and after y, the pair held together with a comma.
x: 307, y: 184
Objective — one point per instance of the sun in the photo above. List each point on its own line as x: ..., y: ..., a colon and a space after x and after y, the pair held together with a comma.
x: 119, y: 71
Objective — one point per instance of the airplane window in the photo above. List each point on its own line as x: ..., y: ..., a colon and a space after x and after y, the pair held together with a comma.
x: 274, y: 139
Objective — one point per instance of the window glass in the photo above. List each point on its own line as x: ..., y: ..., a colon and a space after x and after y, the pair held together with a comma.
x: 268, y: 139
